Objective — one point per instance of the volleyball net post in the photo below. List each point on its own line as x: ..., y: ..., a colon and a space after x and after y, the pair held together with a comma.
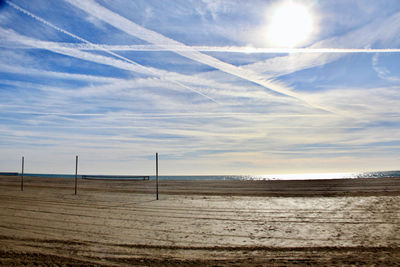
x: 76, y: 175
x: 157, y: 176
x: 22, y: 174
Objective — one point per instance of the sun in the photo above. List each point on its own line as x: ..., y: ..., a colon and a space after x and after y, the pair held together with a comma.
x: 290, y: 25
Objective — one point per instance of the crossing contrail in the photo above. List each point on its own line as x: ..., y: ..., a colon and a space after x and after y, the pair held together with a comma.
x: 222, y: 49
x: 150, y: 70
x: 133, y: 29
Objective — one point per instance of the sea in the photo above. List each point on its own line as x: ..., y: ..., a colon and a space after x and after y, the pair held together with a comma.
x: 303, y: 176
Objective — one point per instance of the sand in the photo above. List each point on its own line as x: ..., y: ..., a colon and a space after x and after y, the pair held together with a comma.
x: 200, y: 223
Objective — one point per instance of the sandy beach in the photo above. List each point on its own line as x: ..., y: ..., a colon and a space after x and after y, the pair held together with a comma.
x: 200, y: 223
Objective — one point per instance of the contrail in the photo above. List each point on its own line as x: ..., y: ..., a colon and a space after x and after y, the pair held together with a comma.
x: 104, y: 49
x: 222, y: 49
x: 164, y: 115
x: 111, y: 61
x: 156, y: 38
x: 95, y: 58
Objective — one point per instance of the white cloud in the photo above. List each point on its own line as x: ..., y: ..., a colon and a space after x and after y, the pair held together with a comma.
x: 383, y: 72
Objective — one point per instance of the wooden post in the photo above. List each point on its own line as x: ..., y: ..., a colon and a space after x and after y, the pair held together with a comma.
x: 157, y: 175
x: 22, y: 175
x: 76, y: 174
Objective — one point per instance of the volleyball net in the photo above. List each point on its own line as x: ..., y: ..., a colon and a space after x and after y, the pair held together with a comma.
x: 116, y: 177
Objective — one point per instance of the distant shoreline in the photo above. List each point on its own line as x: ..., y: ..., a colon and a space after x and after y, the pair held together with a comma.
x: 307, y: 188
x: 311, y: 176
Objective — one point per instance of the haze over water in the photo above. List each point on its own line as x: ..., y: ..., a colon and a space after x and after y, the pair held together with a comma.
x: 312, y: 176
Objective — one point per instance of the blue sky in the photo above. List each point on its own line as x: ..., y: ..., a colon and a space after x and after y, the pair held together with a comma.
x: 206, y: 84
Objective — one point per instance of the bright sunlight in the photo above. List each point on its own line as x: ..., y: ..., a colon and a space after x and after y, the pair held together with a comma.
x: 290, y: 25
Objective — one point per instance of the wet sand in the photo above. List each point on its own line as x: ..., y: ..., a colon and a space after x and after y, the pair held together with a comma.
x: 200, y: 223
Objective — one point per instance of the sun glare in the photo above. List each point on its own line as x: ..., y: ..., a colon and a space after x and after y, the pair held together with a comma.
x: 290, y: 25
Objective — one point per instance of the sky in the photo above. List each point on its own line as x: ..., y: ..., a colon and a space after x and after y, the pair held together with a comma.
x: 213, y: 86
